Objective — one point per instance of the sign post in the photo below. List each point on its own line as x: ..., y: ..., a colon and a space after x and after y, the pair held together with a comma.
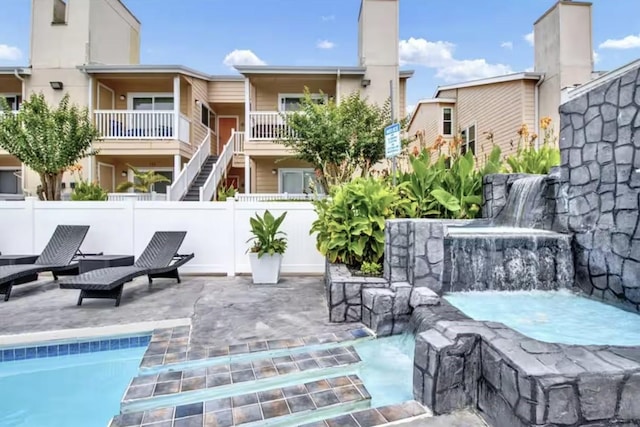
x: 392, y: 145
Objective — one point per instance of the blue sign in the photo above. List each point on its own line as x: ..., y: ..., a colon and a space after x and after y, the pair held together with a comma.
x: 392, y: 143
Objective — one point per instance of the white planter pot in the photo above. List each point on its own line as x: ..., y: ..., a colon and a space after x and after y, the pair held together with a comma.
x: 265, y: 270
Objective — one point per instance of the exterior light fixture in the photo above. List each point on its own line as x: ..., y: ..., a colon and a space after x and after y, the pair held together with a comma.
x: 274, y: 171
x: 122, y: 97
x: 123, y: 173
x: 365, y: 82
x: 56, y: 85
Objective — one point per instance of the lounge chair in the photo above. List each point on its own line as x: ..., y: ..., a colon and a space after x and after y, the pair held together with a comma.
x: 55, y: 258
x: 159, y: 259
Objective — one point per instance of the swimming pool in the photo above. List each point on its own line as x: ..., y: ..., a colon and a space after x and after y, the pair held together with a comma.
x: 387, y: 369
x: 69, y: 390
x: 553, y: 316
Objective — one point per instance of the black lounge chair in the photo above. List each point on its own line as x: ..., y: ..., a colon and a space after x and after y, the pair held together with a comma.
x: 159, y: 259
x: 55, y: 258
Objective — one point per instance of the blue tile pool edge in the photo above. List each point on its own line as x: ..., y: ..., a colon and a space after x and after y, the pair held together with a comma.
x: 71, y: 347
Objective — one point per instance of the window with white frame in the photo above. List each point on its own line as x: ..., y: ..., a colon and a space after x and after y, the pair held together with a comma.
x: 151, y: 101
x: 468, y: 142
x: 447, y: 121
x: 292, y: 101
x: 13, y: 100
x: 298, y: 181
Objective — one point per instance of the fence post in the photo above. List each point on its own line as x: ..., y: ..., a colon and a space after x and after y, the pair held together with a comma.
x: 29, y: 207
x: 231, y: 259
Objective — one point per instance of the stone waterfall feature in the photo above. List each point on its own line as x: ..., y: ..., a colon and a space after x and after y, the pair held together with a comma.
x: 525, y: 204
x: 510, y: 254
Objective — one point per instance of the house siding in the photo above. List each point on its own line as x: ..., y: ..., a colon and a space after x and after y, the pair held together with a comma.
x: 264, y: 180
x: 226, y: 92
x: 499, y: 108
x: 403, y: 98
x: 267, y: 95
x: 200, y: 93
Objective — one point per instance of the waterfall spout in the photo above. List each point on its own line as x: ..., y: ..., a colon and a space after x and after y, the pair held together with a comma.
x: 525, y: 203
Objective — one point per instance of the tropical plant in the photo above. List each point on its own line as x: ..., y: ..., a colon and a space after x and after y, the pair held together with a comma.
x: 451, y: 187
x: 225, y: 193
x: 47, y: 139
x: 528, y: 158
x: 350, y: 224
x: 371, y: 268
x: 267, y: 237
x: 85, y: 190
x: 341, y: 141
x: 142, y: 181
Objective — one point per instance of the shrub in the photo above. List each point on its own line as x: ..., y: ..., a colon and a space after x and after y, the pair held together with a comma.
x: 225, y: 193
x: 87, y: 191
x: 351, y: 222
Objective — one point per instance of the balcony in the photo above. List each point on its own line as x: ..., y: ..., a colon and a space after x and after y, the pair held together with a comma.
x: 131, y: 132
x: 268, y: 126
x: 142, y: 125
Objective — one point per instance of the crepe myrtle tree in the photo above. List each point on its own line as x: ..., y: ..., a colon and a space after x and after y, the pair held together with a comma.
x: 47, y: 139
x: 341, y: 140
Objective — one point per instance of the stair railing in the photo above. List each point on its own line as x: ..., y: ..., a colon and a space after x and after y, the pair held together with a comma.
x: 181, y: 184
x: 208, y: 190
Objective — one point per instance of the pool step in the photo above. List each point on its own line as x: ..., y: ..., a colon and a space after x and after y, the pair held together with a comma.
x: 374, y: 416
x: 204, y: 383
x: 287, y: 406
x: 171, y: 351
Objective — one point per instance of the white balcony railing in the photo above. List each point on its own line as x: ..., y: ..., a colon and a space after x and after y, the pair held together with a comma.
x: 268, y: 126
x: 238, y: 142
x: 141, y: 197
x: 130, y: 124
x: 182, y: 182
x: 208, y: 190
x: 263, y: 197
x: 184, y: 129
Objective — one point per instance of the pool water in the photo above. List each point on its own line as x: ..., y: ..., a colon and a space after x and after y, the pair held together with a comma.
x: 553, y: 316
x: 80, y: 390
x: 387, y: 369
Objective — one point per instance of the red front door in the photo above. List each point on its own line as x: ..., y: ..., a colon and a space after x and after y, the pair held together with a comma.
x: 225, y: 126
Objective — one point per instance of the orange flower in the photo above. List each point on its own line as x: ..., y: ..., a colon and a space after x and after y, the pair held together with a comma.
x: 524, y: 130
x: 416, y: 151
x: 545, y: 122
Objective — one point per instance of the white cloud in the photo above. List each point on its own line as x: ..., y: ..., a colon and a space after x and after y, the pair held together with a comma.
x: 529, y: 38
x: 439, y: 55
x: 506, y: 45
x: 629, y: 42
x: 328, y: 18
x: 242, y: 57
x: 596, y: 57
x: 9, y: 53
x: 529, y: 70
x: 325, y: 44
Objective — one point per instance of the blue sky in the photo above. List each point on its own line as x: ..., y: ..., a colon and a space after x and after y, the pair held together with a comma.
x: 446, y: 41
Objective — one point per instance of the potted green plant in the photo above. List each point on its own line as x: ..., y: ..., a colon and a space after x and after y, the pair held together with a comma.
x: 269, y: 244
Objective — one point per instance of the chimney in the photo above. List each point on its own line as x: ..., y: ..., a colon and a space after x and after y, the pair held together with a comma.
x: 563, y: 49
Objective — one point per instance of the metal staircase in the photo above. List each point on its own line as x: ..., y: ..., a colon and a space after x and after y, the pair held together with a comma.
x: 193, y: 194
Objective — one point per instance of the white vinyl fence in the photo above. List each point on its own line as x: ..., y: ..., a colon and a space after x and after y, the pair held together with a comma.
x: 216, y: 232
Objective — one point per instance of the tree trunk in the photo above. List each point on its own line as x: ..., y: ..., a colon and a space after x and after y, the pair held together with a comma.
x: 51, y: 185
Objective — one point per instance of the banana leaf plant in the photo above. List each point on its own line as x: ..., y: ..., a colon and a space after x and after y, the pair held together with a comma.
x: 142, y: 181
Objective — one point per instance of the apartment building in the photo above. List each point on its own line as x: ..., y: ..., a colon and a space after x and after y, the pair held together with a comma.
x: 199, y: 130
x: 497, y: 107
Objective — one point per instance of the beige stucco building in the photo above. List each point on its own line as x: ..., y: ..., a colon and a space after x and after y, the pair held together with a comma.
x: 170, y: 118
x: 495, y: 109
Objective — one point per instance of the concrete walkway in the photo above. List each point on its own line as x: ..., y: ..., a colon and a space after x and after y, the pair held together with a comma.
x: 457, y: 419
x: 224, y: 310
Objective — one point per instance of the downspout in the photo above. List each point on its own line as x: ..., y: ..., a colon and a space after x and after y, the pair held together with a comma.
x: 19, y: 77
x: 536, y: 102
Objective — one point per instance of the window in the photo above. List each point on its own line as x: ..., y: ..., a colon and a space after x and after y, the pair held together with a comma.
x: 151, y: 102
x: 447, y: 121
x: 59, y: 12
x: 291, y: 101
x: 158, y: 187
x: 204, y: 115
x: 14, y: 101
x: 298, y: 181
x: 10, y: 182
x: 468, y: 140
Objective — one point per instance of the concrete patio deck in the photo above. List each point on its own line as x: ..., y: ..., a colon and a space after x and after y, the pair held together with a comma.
x: 223, y: 310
